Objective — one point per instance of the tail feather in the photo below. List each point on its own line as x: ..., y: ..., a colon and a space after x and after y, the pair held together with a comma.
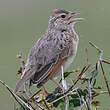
x: 26, y: 76
x: 19, y: 84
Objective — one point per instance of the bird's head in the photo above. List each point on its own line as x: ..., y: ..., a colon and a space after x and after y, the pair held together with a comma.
x: 62, y: 19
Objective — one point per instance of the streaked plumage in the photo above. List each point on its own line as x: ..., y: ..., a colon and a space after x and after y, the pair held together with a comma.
x: 57, y: 47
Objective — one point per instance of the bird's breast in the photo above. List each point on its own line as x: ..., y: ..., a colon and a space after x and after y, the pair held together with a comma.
x: 71, y: 55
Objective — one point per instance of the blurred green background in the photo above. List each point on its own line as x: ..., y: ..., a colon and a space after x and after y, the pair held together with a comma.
x: 22, y: 22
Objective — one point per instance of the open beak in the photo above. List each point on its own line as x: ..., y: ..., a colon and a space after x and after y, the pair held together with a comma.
x: 71, y: 19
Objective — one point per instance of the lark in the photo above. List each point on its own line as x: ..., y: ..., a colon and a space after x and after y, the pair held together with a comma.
x: 55, y: 49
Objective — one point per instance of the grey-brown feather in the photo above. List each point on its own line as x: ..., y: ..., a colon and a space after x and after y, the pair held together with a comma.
x: 55, y: 44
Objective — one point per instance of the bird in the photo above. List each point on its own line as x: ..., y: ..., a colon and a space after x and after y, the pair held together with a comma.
x: 57, y: 47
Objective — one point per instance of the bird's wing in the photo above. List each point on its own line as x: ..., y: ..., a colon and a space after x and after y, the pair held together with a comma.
x: 43, y: 56
x: 48, y: 54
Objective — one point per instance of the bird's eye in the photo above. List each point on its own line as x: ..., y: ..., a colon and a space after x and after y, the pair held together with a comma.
x: 63, y: 16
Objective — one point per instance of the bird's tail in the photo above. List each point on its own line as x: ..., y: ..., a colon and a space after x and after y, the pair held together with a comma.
x: 26, y: 75
x: 19, y: 84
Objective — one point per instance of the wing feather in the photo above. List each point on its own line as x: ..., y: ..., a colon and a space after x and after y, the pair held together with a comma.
x: 42, y: 58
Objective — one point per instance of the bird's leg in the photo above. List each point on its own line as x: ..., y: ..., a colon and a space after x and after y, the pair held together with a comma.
x: 45, y: 91
x: 64, y: 85
x: 60, y: 86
